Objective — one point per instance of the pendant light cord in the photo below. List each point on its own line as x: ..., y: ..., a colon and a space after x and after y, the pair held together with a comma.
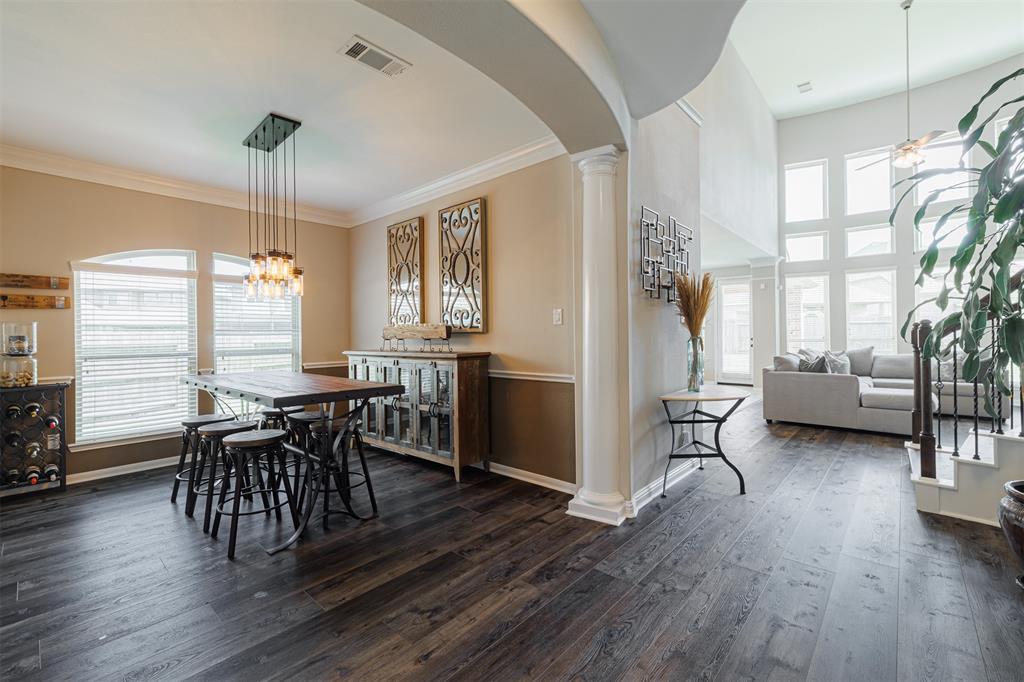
x: 906, y: 42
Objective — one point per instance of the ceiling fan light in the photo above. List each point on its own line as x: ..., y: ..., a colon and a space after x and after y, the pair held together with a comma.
x: 907, y: 157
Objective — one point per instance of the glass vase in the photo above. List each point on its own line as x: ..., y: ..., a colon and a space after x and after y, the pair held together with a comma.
x: 694, y: 364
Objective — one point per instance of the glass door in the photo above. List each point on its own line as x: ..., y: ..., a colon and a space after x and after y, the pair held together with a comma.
x: 735, y: 345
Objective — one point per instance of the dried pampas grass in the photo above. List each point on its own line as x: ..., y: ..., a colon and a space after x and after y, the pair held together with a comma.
x: 693, y: 300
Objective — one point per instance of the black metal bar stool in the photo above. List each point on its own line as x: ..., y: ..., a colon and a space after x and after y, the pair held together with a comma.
x: 275, y: 417
x: 245, y: 449
x: 210, y: 447
x: 299, y: 423
x: 337, y: 468
x: 190, y: 441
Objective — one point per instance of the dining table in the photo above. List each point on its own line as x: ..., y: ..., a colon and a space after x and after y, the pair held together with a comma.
x: 282, y: 389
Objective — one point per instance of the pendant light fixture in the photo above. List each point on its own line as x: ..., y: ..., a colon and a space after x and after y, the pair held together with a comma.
x: 273, y: 272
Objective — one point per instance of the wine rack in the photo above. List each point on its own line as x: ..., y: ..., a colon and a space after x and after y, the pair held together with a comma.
x: 33, y: 439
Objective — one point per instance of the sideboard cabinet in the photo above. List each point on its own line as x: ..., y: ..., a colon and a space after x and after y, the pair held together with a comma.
x: 443, y: 416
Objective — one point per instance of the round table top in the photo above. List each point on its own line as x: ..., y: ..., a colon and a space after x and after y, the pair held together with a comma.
x: 707, y: 393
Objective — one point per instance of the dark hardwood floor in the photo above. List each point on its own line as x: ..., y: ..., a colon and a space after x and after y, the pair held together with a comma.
x: 824, y: 571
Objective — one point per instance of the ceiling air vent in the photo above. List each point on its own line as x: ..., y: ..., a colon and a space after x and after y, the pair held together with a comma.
x: 804, y: 87
x: 378, y: 59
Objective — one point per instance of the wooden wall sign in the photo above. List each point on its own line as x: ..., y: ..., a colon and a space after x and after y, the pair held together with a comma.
x: 35, y: 302
x: 417, y: 331
x: 405, y: 263
x: 33, y: 281
x: 463, y: 253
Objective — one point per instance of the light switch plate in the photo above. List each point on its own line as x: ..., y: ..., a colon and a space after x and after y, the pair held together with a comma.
x: 556, y: 316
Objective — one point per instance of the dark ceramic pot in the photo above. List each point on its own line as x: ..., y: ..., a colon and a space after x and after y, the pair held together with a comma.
x: 1011, y: 518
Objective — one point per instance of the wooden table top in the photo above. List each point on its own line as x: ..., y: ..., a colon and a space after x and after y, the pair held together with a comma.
x: 287, y: 389
x: 708, y: 393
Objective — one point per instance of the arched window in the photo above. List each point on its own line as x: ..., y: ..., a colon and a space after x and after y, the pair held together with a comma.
x: 252, y: 335
x: 135, y: 337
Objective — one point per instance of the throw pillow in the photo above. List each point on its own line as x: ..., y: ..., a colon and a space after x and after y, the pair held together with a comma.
x: 787, y: 362
x: 838, y: 363
x: 808, y: 354
x: 861, y: 360
x: 817, y: 365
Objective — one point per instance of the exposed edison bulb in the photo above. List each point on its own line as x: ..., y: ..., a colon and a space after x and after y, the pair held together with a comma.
x: 249, y: 286
x: 257, y: 265
x: 287, y: 265
x: 263, y: 287
x: 297, y: 283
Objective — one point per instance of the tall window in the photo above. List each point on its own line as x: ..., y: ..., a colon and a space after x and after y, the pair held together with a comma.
x: 873, y: 240
x: 943, y: 153
x: 251, y: 335
x: 806, y: 191
x: 930, y: 289
x: 868, y: 181
x: 952, y: 233
x: 871, y: 310
x: 135, y: 337
x: 806, y: 247
x: 806, y: 312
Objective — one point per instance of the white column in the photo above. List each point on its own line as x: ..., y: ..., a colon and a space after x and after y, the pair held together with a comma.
x: 599, y: 496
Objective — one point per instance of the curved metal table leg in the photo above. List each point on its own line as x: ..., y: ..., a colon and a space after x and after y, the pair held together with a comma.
x: 700, y: 449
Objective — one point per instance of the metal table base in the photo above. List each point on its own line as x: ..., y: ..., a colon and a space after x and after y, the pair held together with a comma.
x: 692, y: 418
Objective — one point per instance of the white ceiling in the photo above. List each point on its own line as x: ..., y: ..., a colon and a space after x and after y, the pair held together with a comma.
x: 853, y: 50
x: 172, y: 88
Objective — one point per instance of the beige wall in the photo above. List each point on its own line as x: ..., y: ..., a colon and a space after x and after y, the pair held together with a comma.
x: 529, y: 214
x: 530, y: 273
x: 46, y: 221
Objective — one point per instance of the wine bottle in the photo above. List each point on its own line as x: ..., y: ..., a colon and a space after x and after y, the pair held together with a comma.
x: 33, y: 409
x: 51, y: 472
x: 13, y: 475
x: 32, y: 474
x: 34, y: 450
x: 14, y: 439
x: 51, y: 422
x: 13, y: 411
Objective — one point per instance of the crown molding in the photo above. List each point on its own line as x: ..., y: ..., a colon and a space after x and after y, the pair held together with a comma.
x: 509, y: 162
x: 88, y: 171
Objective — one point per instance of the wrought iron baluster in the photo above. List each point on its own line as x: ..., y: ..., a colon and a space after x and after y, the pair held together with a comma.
x: 976, y: 426
x: 938, y: 404
x: 956, y: 403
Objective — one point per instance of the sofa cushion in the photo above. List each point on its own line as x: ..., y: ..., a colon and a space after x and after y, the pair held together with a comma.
x: 888, y: 398
x: 787, y: 362
x: 817, y: 365
x: 893, y: 366
x: 860, y: 360
x: 887, y: 382
x: 838, y: 363
x: 865, y: 383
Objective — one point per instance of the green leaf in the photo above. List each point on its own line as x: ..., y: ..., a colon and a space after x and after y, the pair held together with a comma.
x: 989, y: 149
x: 972, y: 363
x: 1009, y: 204
x: 969, y: 118
x: 928, y: 260
x: 1012, y: 339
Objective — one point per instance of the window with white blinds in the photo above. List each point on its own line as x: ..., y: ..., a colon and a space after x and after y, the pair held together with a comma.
x: 251, y: 335
x: 135, y: 337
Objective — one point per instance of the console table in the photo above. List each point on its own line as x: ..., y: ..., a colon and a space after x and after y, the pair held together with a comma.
x: 730, y: 396
x: 442, y: 416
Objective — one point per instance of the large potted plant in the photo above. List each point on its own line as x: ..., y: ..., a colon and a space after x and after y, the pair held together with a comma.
x: 989, y: 327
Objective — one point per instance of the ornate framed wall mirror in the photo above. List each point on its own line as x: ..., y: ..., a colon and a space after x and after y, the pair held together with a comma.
x: 463, y: 256
x: 405, y: 265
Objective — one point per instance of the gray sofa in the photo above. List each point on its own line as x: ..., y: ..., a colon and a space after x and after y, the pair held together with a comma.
x: 880, y: 399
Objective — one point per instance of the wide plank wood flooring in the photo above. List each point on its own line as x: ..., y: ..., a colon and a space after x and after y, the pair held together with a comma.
x: 823, y: 571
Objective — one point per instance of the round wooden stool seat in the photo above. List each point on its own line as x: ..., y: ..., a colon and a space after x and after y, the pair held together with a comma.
x: 279, y: 411
x: 255, y: 439
x: 222, y: 429
x: 305, y: 416
x: 204, y: 419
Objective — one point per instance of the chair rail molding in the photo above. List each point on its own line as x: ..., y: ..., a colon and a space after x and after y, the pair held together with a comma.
x: 532, y: 376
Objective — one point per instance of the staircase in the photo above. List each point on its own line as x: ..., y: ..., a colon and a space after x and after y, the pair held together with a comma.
x: 964, y: 481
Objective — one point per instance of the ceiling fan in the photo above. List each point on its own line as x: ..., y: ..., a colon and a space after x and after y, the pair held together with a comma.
x: 907, y: 154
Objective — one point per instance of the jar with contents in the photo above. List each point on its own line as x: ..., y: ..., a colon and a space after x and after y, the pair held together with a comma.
x: 19, y: 338
x: 17, y: 372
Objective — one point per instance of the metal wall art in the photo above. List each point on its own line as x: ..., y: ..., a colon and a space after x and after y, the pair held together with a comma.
x: 405, y: 260
x: 663, y: 253
x: 464, y: 266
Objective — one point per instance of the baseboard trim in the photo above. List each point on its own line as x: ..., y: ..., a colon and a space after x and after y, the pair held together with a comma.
x: 111, y: 472
x: 537, y: 479
x: 653, y: 489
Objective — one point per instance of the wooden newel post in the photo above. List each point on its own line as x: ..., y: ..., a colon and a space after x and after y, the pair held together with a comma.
x: 925, y: 386
x: 915, y: 416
